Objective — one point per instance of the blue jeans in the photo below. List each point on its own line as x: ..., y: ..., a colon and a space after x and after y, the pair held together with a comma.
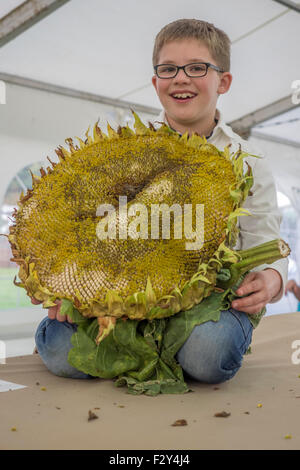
x: 213, y: 352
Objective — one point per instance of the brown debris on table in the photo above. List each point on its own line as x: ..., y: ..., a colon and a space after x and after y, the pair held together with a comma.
x: 180, y: 422
x: 222, y: 414
x: 92, y: 415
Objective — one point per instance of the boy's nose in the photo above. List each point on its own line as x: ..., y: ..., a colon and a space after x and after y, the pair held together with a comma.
x: 181, y: 76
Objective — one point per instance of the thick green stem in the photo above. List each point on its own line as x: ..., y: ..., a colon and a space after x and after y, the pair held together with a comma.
x: 266, y: 253
x: 263, y: 248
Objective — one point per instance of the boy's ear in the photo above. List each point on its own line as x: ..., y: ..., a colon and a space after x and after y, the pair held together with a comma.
x: 225, y: 83
x: 154, y: 81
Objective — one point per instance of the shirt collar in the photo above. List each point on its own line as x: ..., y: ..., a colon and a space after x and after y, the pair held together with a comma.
x: 221, y: 127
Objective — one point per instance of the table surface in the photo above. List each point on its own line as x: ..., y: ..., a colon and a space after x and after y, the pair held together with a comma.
x: 52, y: 412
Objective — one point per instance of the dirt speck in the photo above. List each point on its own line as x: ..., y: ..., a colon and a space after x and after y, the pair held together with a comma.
x: 180, y: 422
x: 92, y: 415
x: 222, y: 414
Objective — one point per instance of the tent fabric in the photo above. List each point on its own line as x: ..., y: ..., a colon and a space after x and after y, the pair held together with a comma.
x: 107, y: 50
x: 263, y: 400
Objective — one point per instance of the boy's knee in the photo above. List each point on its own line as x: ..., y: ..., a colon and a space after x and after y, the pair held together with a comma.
x: 213, y: 353
x: 53, y: 336
x: 53, y: 342
x: 208, y: 367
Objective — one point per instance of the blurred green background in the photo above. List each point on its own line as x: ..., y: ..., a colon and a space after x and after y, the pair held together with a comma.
x: 11, y: 296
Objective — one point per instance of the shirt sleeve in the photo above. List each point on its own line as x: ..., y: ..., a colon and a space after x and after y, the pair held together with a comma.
x: 264, y: 223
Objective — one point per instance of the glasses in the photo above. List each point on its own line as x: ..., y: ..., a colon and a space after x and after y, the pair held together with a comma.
x: 197, y: 69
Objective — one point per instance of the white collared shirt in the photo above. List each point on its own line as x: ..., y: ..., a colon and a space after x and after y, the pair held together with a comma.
x: 264, y: 223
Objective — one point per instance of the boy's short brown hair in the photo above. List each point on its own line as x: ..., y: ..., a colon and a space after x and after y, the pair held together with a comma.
x: 216, y: 40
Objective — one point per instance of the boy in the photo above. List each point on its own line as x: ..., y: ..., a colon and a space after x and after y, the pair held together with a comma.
x: 191, y: 60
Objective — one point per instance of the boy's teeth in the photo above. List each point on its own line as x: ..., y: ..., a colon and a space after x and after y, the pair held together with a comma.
x: 183, y: 95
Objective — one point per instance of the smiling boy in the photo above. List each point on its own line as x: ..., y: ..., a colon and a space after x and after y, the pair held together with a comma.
x: 191, y: 60
x: 197, y: 112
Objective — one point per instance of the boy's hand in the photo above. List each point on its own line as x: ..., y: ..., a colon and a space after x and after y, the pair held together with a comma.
x: 53, y: 312
x: 261, y: 287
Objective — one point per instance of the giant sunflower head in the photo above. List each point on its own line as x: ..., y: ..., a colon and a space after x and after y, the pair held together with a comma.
x: 132, y: 223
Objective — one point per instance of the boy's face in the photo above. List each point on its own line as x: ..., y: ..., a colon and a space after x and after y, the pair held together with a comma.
x: 194, y: 113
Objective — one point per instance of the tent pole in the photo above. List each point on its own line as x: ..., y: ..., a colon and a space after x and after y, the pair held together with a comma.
x: 60, y: 90
x: 25, y: 16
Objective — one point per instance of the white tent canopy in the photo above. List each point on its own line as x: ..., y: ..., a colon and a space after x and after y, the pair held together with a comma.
x: 103, y: 51
x: 105, y: 48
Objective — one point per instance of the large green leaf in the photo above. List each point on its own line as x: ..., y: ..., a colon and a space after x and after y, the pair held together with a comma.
x: 141, y: 354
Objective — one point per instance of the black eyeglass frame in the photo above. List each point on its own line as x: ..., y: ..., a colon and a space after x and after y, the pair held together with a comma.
x: 207, y: 64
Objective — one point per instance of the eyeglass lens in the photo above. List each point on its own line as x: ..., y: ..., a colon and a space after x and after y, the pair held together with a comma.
x: 193, y: 70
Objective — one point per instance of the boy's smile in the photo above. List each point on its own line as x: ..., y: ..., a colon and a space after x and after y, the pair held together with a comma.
x: 190, y: 102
